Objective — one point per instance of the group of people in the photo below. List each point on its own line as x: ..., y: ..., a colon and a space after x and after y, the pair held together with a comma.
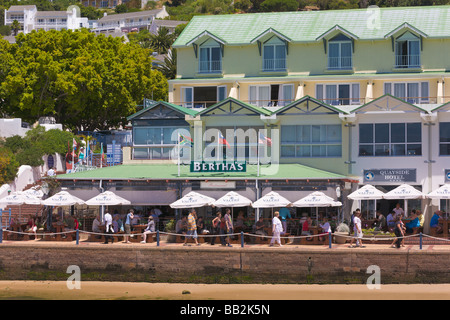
x: 191, y: 226
x: 115, y: 224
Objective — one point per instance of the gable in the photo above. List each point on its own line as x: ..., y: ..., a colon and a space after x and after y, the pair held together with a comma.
x: 388, y: 103
x: 307, y: 106
x: 443, y: 108
x: 233, y: 107
x: 162, y: 110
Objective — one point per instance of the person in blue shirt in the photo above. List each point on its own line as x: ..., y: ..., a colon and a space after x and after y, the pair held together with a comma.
x: 284, y: 214
x: 434, y: 223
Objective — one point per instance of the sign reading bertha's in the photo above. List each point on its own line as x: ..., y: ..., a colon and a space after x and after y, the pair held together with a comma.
x: 218, y: 166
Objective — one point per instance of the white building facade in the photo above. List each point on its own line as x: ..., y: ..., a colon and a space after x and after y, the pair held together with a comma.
x: 30, y: 19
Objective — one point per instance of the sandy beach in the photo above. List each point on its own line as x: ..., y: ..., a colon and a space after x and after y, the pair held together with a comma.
x: 90, y: 290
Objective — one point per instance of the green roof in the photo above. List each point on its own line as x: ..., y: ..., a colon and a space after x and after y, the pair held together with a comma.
x: 243, y: 104
x: 175, y: 107
x: 307, y: 26
x: 170, y: 171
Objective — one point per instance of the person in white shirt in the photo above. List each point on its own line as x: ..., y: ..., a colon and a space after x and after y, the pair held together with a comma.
x: 398, y: 210
x: 109, y: 227
x: 51, y: 172
x: 326, y: 228
x: 358, y: 230
x: 277, y: 229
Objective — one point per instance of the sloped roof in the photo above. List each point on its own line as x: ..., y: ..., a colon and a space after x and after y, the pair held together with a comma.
x: 240, y: 103
x: 175, y: 107
x: 307, y: 26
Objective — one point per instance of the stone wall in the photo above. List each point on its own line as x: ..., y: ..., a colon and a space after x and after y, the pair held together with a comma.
x: 221, y: 265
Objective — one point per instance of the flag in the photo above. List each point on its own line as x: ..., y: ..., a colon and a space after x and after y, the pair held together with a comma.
x: 186, y: 141
x: 222, y: 140
x: 262, y: 139
x: 74, y: 144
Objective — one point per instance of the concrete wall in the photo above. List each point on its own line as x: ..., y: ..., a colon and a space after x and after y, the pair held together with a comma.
x: 204, y: 265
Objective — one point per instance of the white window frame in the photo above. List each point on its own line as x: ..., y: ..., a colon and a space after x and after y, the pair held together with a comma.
x: 265, y: 103
x: 274, y: 43
x: 397, y: 55
x: 421, y: 98
x: 390, y: 143
x: 184, y: 102
x: 340, y: 57
x: 352, y: 99
x: 210, y: 44
x: 224, y: 87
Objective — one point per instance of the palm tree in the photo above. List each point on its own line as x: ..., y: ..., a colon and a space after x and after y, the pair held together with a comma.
x: 15, y: 26
x: 169, y: 67
x: 161, y: 41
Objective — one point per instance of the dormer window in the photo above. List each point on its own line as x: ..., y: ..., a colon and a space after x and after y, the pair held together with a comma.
x: 407, y: 51
x: 210, y: 57
x: 274, y: 55
x: 340, y: 53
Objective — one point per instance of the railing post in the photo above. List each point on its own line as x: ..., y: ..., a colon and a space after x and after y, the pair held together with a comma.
x: 242, y: 239
x: 78, y: 237
x: 329, y: 240
x: 420, y: 242
x: 157, y: 238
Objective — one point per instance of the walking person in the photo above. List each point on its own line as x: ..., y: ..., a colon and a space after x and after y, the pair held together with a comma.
x: 357, y: 229
x: 277, y: 229
x: 399, y: 232
x: 216, y: 227
x: 229, y: 226
x: 191, y: 228
x: 150, y: 229
x: 130, y: 216
x: 109, y: 228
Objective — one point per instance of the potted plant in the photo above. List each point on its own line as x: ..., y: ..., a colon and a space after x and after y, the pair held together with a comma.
x: 170, y: 228
x: 341, y: 233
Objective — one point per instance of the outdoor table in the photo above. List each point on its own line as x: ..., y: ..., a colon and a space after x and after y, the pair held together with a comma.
x: 138, y: 228
x: 445, y: 223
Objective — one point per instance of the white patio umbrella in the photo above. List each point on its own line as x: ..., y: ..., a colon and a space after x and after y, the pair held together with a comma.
x: 232, y: 199
x: 271, y: 200
x: 367, y: 192
x: 316, y: 199
x: 443, y: 193
x: 192, y: 200
x: 107, y: 198
x: 404, y: 192
x: 62, y: 198
x: 18, y: 199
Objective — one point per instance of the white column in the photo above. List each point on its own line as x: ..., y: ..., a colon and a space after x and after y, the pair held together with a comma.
x: 369, y: 92
x: 300, y: 91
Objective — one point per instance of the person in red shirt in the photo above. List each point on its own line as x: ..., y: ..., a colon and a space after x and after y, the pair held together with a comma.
x: 305, y: 228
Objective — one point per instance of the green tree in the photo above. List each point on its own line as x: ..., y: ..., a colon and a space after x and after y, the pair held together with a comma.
x: 8, y: 166
x: 279, y: 5
x: 162, y: 41
x: 121, y: 8
x: 85, y: 81
x: 169, y: 67
x: 15, y: 26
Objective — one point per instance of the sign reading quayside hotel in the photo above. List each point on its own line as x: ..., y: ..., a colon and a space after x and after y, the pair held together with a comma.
x: 390, y: 175
x: 218, y: 166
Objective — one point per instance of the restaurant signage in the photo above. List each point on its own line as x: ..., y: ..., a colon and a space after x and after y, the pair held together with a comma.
x: 447, y: 175
x: 218, y: 166
x: 390, y: 175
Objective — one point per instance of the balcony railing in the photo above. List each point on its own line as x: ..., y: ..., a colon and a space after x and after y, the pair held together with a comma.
x: 10, y: 21
x: 407, y: 61
x: 274, y: 65
x: 213, y: 66
x: 339, y: 63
